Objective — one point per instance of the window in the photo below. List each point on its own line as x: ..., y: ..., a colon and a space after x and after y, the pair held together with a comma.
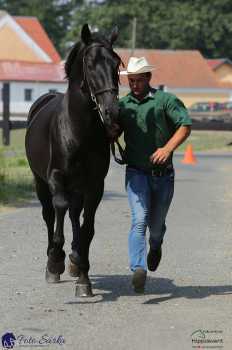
x: 53, y: 91
x: 27, y: 94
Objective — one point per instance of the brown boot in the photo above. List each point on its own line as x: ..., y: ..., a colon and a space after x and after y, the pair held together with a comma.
x: 139, y: 280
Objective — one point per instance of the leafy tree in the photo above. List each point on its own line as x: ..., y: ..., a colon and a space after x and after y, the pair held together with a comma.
x: 162, y: 24
x: 55, y: 15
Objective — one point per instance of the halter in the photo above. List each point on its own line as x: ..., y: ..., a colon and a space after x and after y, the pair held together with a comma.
x: 97, y: 107
x: 86, y: 79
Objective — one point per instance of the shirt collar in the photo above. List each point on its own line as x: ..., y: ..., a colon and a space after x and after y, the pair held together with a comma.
x: 150, y: 95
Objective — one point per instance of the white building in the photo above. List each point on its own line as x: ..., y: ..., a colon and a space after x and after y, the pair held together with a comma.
x: 28, y: 61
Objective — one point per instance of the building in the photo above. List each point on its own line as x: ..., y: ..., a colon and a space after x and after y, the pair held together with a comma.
x: 182, y: 72
x: 28, y: 61
x: 222, y: 68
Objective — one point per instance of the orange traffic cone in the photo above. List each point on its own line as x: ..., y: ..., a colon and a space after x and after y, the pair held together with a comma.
x: 189, y: 157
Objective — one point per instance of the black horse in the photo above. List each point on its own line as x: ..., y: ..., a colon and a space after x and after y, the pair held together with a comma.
x: 68, y: 149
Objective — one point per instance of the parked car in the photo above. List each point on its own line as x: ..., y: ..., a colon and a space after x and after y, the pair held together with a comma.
x: 205, y: 107
x: 227, y: 106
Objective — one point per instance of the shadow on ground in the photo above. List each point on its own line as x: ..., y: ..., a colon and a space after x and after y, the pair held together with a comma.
x: 117, y: 286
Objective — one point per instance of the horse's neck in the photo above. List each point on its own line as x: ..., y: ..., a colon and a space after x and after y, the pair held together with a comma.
x: 79, y: 113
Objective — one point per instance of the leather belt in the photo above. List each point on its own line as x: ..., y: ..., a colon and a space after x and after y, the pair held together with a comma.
x: 154, y: 172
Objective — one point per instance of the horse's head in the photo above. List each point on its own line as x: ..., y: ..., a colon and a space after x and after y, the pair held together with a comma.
x: 100, y: 75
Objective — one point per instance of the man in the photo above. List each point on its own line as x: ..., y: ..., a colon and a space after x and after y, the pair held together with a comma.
x: 155, y: 123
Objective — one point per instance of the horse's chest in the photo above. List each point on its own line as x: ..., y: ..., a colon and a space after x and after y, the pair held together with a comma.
x: 84, y: 174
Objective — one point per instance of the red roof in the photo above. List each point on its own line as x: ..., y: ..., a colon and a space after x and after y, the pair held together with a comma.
x: 175, y: 68
x: 226, y: 84
x: 27, y: 71
x: 214, y: 63
x: 34, y: 29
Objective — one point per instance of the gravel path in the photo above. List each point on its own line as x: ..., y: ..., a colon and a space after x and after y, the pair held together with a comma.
x: 191, y: 291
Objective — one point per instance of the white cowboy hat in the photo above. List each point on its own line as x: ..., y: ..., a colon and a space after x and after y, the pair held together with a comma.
x: 137, y: 65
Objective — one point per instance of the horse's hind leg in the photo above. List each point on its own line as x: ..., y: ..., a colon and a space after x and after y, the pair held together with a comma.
x: 91, y: 202
x: 56, y: 256
x: 48, y: 213
x: 55, y: 264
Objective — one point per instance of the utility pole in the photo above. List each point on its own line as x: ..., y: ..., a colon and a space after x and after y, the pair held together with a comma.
x: 133, y: 39
x: 6, y: 114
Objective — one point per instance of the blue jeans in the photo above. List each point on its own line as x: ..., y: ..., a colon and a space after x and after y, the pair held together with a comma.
x: 149, y: 199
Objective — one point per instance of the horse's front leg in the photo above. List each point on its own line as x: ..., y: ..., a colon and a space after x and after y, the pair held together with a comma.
x: 91, y: 201
x: 75, y: 207
x: 56, y: 256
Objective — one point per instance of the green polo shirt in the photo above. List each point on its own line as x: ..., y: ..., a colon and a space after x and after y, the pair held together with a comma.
x: 149, y: 124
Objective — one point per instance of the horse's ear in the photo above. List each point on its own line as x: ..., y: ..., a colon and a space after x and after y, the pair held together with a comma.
x: 114, y: 35
x: 85, y: 34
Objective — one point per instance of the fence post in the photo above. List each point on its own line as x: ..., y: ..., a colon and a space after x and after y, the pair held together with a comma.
x: 6, y: 114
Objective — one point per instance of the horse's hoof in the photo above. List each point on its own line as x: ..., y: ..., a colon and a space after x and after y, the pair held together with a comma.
x: 52, y: 277
x: 83, y: 290
x: 74, y: 270
x: 56, y: 267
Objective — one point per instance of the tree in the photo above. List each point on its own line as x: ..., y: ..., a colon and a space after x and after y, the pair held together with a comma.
x: 161, y: 24
x: 55, y: 15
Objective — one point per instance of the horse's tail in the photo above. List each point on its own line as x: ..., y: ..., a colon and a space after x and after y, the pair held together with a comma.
x: 39, y: 103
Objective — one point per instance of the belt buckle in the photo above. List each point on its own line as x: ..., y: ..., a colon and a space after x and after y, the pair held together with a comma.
x: 158, y: 173
x: 155, y: 173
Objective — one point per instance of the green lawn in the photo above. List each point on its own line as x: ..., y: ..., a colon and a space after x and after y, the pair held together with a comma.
x: 16, y: 140
x: 209, y: 141
x: 201, y: 141
x: 206, y: 141
x: 16, y: 182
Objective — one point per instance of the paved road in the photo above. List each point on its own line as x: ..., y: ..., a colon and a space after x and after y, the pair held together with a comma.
x: 190, y: 292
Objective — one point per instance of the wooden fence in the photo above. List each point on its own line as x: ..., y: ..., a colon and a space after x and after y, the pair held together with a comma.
x: 200, y: 122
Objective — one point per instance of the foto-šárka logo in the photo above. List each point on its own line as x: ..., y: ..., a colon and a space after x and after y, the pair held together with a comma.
x: 9, y: 341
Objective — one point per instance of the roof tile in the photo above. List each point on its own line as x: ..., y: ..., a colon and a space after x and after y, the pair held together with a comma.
x: 175, y: 68
x: 214, y: 63
x: 34, y: 29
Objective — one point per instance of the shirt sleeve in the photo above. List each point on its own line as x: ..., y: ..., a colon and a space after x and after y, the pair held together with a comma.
x: 177, y: 112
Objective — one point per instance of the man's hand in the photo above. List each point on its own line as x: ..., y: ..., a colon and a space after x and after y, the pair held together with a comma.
x: 160, y: 156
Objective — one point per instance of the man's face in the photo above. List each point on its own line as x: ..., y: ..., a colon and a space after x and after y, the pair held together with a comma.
x: 139, y: 83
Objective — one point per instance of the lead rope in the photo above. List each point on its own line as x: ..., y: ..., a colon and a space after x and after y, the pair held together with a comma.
x: 121, y: 152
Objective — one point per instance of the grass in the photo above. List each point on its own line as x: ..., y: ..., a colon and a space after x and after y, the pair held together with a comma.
x: 209, y: 141
x: 206, y: 141
x: 16, y: 183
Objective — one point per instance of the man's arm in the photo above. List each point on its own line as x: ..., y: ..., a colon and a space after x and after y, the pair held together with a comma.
x: 161, y: 155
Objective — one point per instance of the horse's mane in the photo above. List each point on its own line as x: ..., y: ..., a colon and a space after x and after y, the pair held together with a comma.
x: 77, y: 49
x: 71, y: 58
